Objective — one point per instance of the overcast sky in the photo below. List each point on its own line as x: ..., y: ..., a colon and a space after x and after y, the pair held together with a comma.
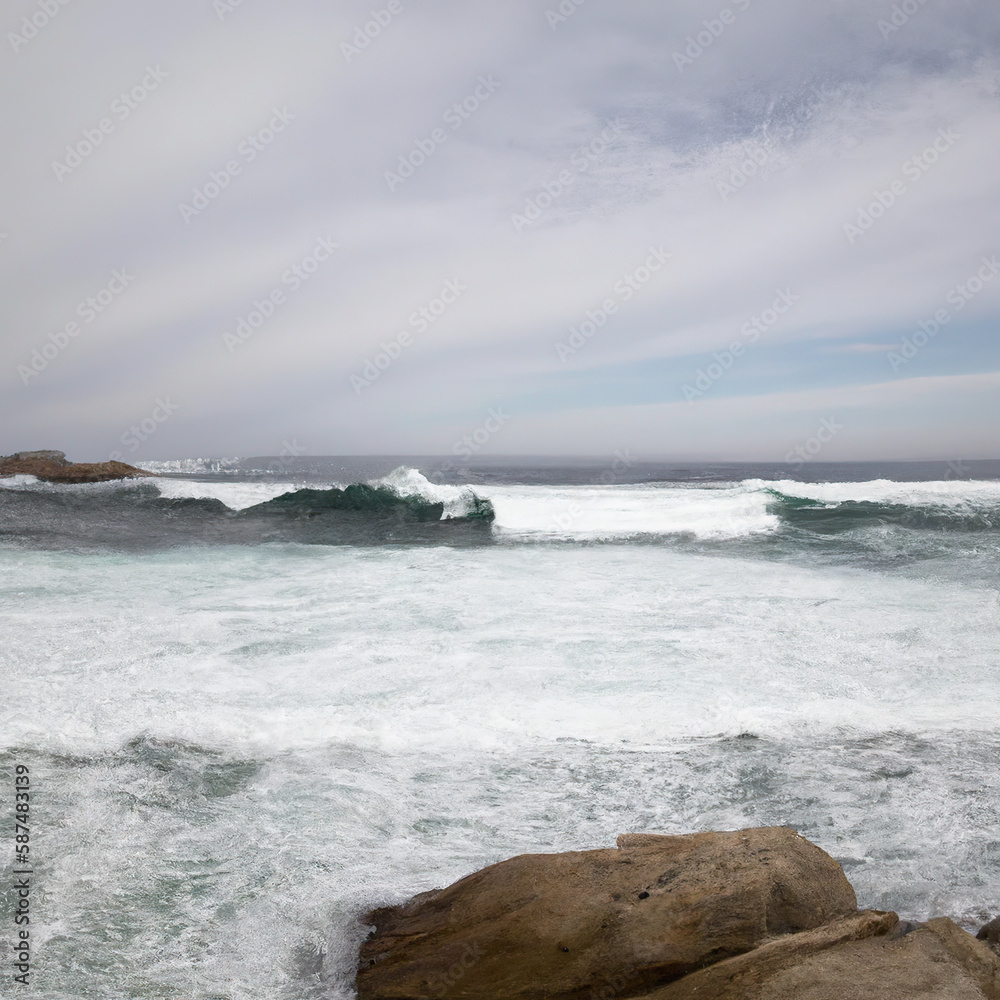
x: 683, y: 229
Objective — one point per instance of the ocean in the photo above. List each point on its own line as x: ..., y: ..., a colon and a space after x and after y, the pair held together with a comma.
x: 257, y: 697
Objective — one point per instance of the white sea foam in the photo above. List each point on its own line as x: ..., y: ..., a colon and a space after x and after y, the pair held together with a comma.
x: 622, y: 512
x: 409, y: 482
x: 943, y: 493
x: 231, y: 740
x: 236, y: 496
x: 440, y: 647
x: 19, y: 482
x: 192, y: 466
x: 34, y: 485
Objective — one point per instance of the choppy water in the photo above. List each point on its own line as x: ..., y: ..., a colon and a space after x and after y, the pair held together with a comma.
x: 246, y: 724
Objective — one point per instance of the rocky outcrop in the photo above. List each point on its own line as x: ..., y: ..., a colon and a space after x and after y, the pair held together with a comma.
x: 757, y: 914
x: 564, y: 925
x: 53, y: 467
x: 870, y: 955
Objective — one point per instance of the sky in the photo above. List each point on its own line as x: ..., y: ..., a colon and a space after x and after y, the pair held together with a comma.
x: 574, y: 227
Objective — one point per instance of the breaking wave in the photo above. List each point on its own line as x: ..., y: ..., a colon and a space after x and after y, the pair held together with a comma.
x: 402, y: 507
x: 882, y: 518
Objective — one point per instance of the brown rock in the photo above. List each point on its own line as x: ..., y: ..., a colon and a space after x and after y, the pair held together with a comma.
x: 602, y: 923
x: 864, y: 957
x: 990, y: 933
x: 53, y: 468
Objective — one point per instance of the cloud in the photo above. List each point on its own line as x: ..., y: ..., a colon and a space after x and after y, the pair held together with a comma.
x: 751, y: 165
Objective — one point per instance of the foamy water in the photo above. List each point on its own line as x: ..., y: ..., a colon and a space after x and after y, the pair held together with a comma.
x: 959, y: 492
x: 238, y: 748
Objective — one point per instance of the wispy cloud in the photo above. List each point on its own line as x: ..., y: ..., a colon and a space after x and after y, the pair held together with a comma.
x: 745, y: 168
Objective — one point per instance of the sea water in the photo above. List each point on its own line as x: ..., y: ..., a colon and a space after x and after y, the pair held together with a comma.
x: 248, y: 719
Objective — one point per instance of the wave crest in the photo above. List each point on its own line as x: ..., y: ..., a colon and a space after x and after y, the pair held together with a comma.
x: 404, y: 494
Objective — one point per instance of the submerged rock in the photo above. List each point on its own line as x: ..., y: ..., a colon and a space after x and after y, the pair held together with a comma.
x: 53, y: 467
x: 758, y: 914
x: 604, y: 922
